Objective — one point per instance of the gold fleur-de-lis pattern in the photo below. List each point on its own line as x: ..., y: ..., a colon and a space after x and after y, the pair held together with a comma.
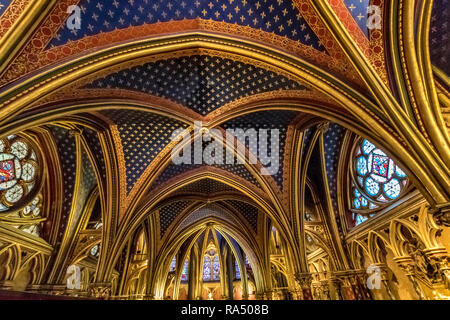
x: 279, y: 17
x: 143, y: 135
x: 201, y: 83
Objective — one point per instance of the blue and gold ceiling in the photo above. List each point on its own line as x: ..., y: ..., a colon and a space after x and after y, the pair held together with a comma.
x: 173, y: 171
x: 168, y: 213
x: 358, y: 10
x: 333, y: 139
x: 93, y: 143
x: 440, y: 35
x: 275, y: 119
x: 308, y: 136
x: 143, y: 136
x: 4, y: 5
x: 249, y: 212
x: 274, y: 16
x: 67, y: 151
x: 206, y: 187
x: 202, y: 83
x: 74, y: 198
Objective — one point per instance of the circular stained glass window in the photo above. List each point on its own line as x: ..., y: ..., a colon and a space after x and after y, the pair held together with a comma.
x: 20, y: 167
x: 376, y: 176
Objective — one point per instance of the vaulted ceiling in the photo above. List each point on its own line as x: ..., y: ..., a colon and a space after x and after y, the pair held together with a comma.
x: 112, y: 92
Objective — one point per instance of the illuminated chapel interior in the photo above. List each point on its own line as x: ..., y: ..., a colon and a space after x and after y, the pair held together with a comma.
x: 105, y: 107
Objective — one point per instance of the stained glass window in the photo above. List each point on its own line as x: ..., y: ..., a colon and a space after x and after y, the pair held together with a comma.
x: 32, y: 211
x: 360, y: 202
x: 248, y: 266
x: 216, y: 269
x: 184, y: 274
x: 377, y: 175
x: 377, y: 180
x: 238, y: 273
x: 207, y: 269
x: 359, y: 218
x: 19, y: 173
x: 173, y: 265
x: 211, y: 265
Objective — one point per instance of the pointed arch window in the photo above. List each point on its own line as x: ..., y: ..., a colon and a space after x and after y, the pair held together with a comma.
x: 238, y: 273
x: 173, y: 265
x: 211, y: 265
x: 207, y: 268
x: 216, y: 269
x: 184, y: 274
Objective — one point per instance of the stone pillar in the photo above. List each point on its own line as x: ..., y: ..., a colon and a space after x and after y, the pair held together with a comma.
x: 381, y: 273
x: 441, y: 215
x: 229, y: 274
x: 193, y: 275
x: 337, y: 288
x: 441, y: 261
x: 347, y: 288
x: 268, y: 295
x: 304, y: 280
x: 316, y: 291
x: 408, y: 266
x: 361, y: 279
x: 356, y: 288
x: 386, y: 282
x: 325, y: 290
x: 244, y: 283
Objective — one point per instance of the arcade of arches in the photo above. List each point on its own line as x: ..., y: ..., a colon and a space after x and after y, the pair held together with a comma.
x: 351, y: 103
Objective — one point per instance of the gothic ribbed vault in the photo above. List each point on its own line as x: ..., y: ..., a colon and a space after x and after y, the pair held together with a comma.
x: 313, y: 136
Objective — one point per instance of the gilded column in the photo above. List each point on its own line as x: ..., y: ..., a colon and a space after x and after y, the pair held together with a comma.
x: 361, y: 279
x: 325, y: 290
x: 304, y: 280
x: 408, y: 266
x: 337, y: 288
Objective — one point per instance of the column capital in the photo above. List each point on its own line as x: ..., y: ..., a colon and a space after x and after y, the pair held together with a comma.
x: 75, y: 132
x: 304, y: 279
x: 441, y: 214
x: 406, y: 263
x: 323, y: 127
x: 100, y: 290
